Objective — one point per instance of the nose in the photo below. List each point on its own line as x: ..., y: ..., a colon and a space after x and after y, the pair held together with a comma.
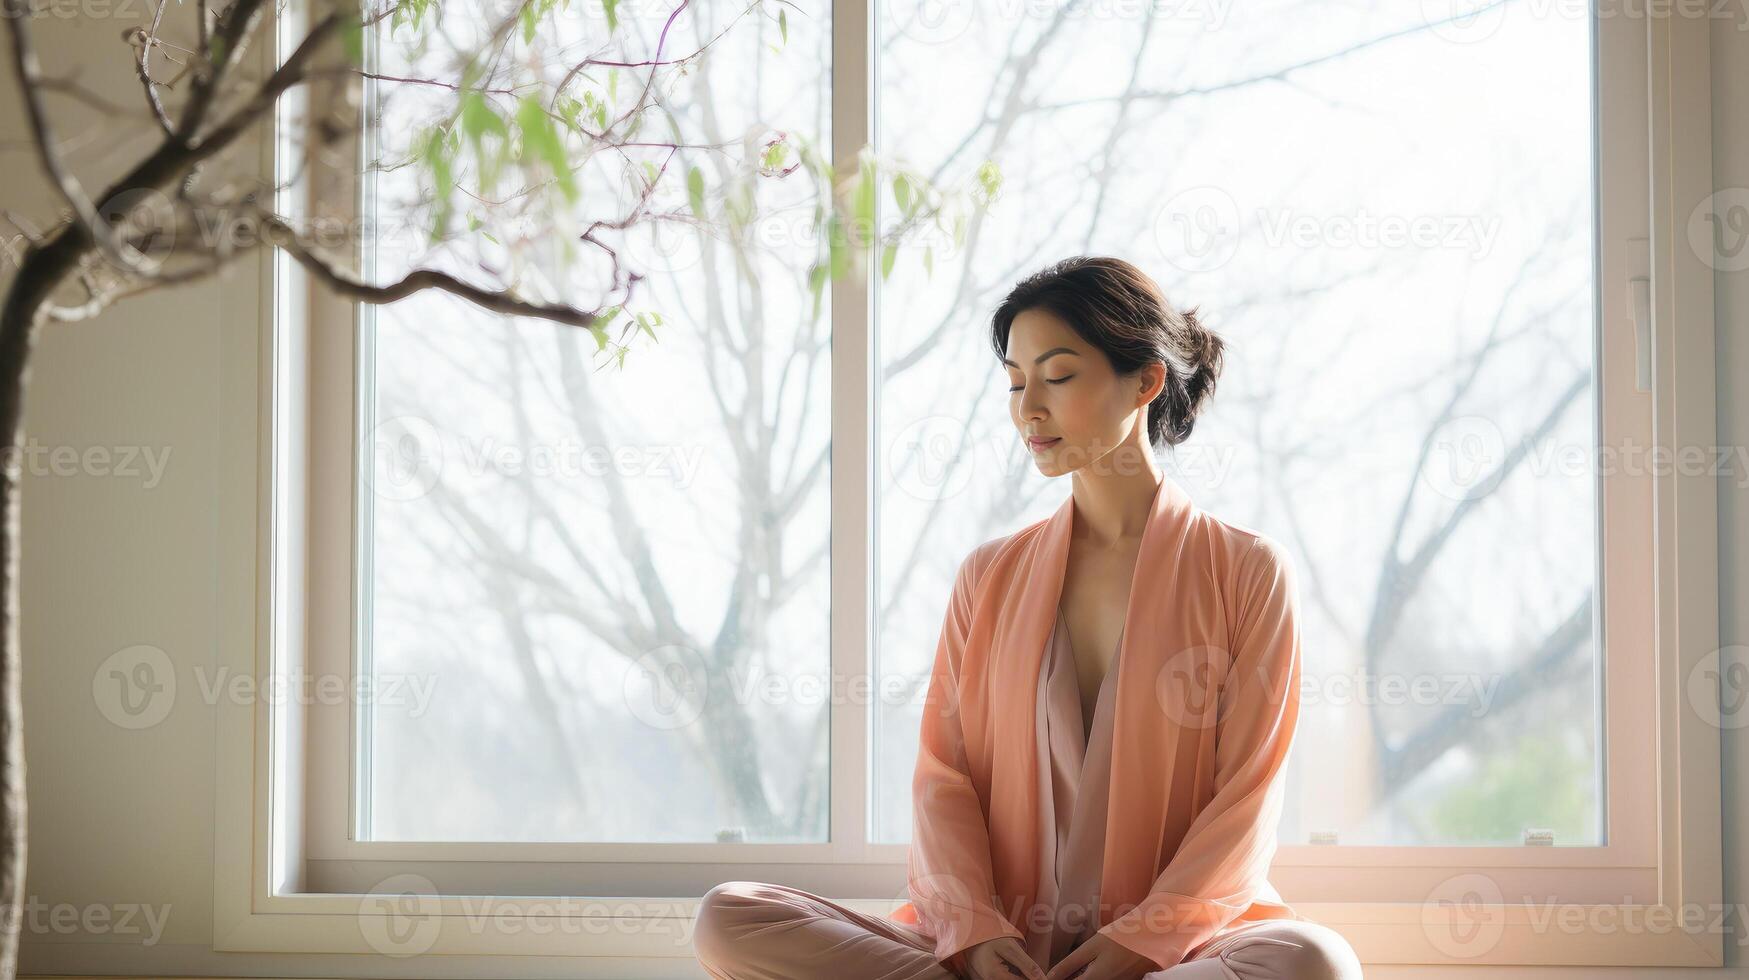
x: 1032, y: 405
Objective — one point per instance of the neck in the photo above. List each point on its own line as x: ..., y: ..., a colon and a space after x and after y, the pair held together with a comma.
x: 1114, y: 505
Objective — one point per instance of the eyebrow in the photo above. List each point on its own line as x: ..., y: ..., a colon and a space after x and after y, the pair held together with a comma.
x: 1050, y: 353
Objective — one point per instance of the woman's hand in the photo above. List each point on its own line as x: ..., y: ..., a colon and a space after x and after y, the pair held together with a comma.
x: 1000, y: 959
x: 1102, y: 958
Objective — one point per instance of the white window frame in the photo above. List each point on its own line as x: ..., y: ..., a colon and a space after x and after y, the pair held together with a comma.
x: 288, y: 491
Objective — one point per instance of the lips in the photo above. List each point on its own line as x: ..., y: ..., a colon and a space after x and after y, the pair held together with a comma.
x: 1036, y: 443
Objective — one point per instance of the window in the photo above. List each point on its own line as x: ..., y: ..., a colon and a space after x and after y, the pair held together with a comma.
x: 607, y: 673
x: 594, y: 559
x: 1413, y: 317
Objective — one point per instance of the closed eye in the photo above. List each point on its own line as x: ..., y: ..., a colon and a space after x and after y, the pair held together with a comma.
x: 1055, y: 381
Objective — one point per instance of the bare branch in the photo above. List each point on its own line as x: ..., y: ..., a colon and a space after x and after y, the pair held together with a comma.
x: 68, y: 86
x: 1451, y: 725
x: 30, y: 79
x: 1278, y: 75
x: 280, y: 233
x: 146, y: 40
x: 292, y: 72
x: 233, y: 31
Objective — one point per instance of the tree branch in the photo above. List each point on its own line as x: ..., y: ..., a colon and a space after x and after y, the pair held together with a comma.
x: 278, y: 232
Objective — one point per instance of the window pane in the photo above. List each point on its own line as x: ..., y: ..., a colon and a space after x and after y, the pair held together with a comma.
x: 601, y: 571
x: 1389, y: 216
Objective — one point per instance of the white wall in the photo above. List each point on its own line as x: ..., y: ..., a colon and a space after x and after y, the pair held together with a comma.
x: 123, y: 820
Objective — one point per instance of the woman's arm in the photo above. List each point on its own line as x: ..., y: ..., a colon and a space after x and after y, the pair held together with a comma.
x: 951, y: 883
x: 1224, y: 857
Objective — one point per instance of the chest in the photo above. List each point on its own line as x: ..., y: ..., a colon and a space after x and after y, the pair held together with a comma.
x: 1094, y: 602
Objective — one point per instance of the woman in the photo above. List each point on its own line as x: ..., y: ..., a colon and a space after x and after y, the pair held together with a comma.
x: 1099, y: 774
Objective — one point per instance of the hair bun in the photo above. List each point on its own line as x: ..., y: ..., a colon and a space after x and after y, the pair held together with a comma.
x: 1207, y: 343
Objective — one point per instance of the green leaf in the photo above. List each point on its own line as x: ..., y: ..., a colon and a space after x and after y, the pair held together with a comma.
x: 774, y: 156
x: 783, y: 24
x: 838, y: 250
x: 598, y: 327
x: 902, y: 194
x: 739, y: 203
x: 569, y: 109
x: 929, y: 260
x: 888, y: 254
x: 352, y: 34
x: 867, y: 184
x: 612, y: 17
x: 539, y: 136
x: 695, y: 191
x: 479, y: 117
x: 989, y: 179
x: 411, y: 12
x: 530, y: 22
x: 436, y: 153
x: 817, y: 284
x: 470, y: 73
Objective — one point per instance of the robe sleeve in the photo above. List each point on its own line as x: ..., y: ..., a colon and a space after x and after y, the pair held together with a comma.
x: 950, y: 879
x: 1223, y: 860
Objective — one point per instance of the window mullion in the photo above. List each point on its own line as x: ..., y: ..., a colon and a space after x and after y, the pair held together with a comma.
x: 852, y: 443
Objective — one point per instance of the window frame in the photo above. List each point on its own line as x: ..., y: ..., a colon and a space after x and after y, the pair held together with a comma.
x: 283, y: 855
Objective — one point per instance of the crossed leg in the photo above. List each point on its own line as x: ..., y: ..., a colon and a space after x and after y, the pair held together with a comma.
x: 1270, y: 949
x: 751, y: 930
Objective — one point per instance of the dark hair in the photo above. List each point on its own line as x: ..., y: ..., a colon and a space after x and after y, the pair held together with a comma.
x: 1117, y: 308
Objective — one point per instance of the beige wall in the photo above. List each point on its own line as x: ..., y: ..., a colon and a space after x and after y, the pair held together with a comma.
x: 124, y: 820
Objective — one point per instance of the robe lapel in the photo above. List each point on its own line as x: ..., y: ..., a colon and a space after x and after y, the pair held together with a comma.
x: 1026, y: 583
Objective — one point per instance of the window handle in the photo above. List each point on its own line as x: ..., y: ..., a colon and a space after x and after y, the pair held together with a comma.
x: 1639, y: 262
x: 1640, y: 308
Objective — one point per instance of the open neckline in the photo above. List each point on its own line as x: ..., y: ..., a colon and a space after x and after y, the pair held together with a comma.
x: 1089, y: 717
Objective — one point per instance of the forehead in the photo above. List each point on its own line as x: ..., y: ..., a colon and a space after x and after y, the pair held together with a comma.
x: 1035, y: 331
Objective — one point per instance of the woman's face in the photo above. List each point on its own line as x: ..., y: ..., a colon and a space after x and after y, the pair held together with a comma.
x: 1068, y: 404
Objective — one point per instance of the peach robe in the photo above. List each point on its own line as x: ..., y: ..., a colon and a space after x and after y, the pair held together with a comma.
x: 1203, y: 709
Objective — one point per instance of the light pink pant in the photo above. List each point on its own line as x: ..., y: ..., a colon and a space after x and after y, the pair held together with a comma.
x: 750, y: 930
